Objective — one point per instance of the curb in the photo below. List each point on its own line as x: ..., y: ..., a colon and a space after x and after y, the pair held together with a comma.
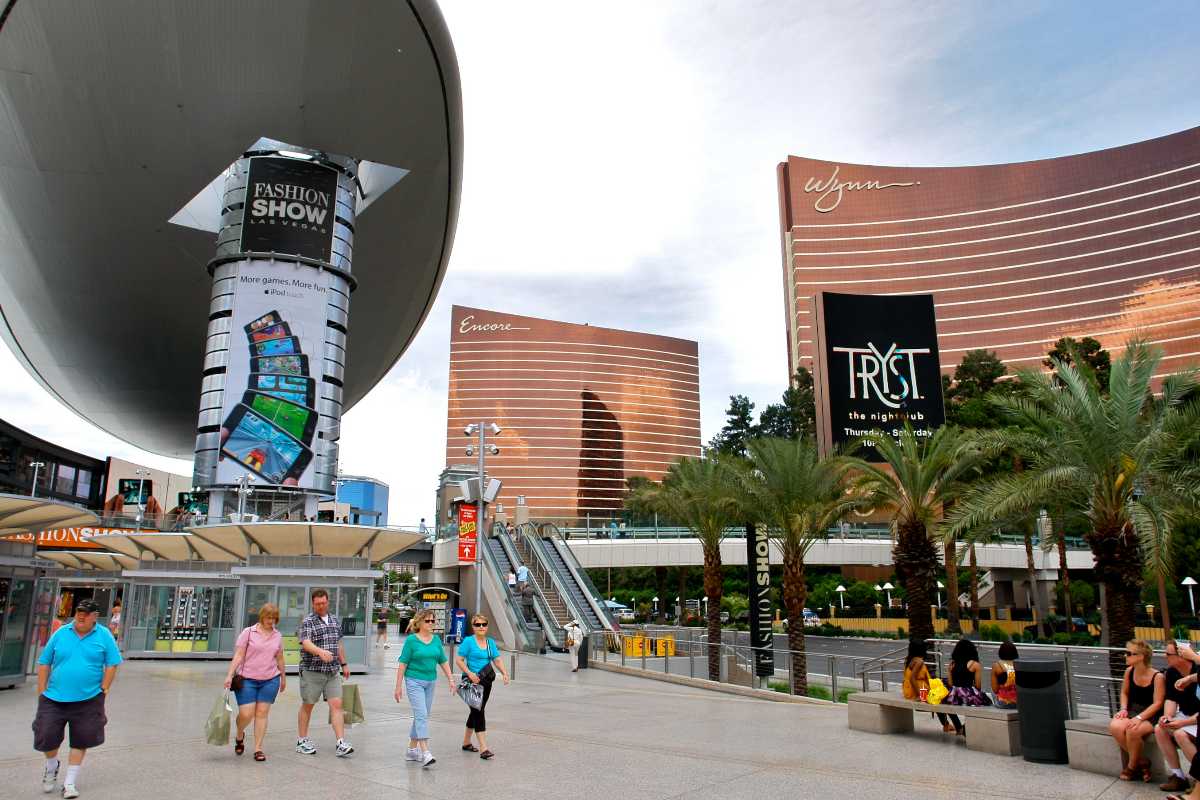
x: 714, y: 686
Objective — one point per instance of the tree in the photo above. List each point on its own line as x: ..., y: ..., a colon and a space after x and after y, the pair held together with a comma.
x: 796, y: 416
x: 739, y: 427
x: 798, y: 495
x: 977, y: 376
x: 1116, y: 459
x: 1087, y: 354
x: 922, y: 475
x: 702, y: 494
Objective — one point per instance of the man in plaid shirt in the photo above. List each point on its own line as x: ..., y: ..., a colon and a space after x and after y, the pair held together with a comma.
x: 322, y: 668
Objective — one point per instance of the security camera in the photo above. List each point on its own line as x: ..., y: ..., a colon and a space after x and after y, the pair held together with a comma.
x: 470, y: 451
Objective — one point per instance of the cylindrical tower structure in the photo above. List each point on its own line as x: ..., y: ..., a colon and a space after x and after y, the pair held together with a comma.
x: 274, y: 363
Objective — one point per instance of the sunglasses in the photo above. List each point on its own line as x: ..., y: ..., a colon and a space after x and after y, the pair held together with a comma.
x: 479, y: 625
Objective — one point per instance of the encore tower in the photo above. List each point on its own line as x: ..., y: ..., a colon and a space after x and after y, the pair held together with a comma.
x: 1104, y: 244
x: 583, y: 409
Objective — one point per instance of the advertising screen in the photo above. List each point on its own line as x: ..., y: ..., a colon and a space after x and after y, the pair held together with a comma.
x: 268, y: 417
x: 878, y: 367
x: 289, y: 208
x: 128, y: 488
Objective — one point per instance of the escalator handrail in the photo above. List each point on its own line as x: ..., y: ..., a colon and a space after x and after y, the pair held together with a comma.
x: 589, y: 590
x: 515, y: 619
x: 538, y: 549
x: 541, y: 608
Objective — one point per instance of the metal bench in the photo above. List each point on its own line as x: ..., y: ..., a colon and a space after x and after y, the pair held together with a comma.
x: 990, y: 729
x: 1090, y: 748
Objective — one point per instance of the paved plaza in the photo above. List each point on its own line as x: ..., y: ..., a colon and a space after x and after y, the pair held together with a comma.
x: 591, y: 733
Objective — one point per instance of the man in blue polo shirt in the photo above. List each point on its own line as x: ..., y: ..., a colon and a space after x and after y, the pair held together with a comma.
x: 75, y: 671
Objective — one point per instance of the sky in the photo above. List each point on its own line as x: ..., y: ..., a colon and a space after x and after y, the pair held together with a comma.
x: 619, y: 169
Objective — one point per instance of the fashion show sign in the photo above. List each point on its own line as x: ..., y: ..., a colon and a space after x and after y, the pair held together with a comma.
x: 877, y: 367
x: 289, y: 208
x: 762, y: 639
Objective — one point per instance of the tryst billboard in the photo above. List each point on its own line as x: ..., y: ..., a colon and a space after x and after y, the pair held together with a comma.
x: 878, y: 367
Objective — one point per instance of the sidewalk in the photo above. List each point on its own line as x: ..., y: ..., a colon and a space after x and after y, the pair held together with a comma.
x: 612, y: 734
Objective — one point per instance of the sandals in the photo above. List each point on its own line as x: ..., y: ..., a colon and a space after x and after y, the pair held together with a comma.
x: 239, y: 745
x: 470, y: 748
x: 259, y: 755
x: 1145, y: 767
x: 1134, y: 771
x: 486, y: 754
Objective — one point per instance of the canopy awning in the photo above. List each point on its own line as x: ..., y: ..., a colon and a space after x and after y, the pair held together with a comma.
x: 22, y: 514
x: 89, y: 559
x: 173, y: 546
x: 307, y: 539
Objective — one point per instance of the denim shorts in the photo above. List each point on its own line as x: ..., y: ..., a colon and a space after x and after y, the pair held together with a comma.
x: 255, y: 691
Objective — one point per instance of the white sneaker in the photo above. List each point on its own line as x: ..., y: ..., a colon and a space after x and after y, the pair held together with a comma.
x: 49, y: 779
x: 412, y: 754
x: 343, y: 748
x: 306, y: 746
x: 69, y: 790
x: 427, y: 759
x: 387, y: 647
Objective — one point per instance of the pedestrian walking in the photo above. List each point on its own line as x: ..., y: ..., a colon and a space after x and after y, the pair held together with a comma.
x: 420, y: 658
x: 381, y: 632
x: 322, y: 669
x: 574, y: 637
x: 512, y: 581
x: 258, y: 659
x: 75, y: 671
x: 527, y: 603
x: 522, y: 577
x: 479, y: 659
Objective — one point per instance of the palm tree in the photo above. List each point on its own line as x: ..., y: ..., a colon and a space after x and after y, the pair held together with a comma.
x: 1117, y: 459
x: 798, y: 496
x: 701, y: 494
x: 917, y: 477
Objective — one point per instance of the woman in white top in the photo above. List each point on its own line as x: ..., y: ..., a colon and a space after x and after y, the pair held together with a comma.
x: 512, y: 581
x: 574, y: 634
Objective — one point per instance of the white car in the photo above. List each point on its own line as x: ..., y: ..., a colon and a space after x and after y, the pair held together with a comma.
x: 811, y: 620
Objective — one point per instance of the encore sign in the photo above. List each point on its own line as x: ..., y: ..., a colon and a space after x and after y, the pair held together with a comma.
x: 468, y: 531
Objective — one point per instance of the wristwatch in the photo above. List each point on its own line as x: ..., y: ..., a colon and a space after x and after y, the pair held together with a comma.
x: 342, y: 664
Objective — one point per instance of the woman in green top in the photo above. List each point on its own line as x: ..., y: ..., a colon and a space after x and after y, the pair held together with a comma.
x: 419, y: 661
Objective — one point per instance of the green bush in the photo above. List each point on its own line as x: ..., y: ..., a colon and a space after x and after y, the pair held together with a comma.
x: 1062, y: 638
x: 992, y: 633
x: 844, y: 693
x: 819, y: 693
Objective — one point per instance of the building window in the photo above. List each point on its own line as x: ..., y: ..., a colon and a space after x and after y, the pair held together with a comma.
x: 83, y: 485
x: 64, y: 481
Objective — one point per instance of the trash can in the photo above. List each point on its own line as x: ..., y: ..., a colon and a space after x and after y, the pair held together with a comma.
x: 583, y: 652
x: 1042, y: 704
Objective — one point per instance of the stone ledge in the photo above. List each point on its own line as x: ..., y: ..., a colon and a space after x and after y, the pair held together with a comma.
x: 702, y: 683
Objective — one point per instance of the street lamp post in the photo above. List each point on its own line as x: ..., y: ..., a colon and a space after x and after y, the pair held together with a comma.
x: 655, y: 600
x: 481, y: 428
x: 841, y: 590
x: 1190, y: 582
x: 36, y: 466
x: 243, y: 490
x: 888, y: 588
x: 940, y: 586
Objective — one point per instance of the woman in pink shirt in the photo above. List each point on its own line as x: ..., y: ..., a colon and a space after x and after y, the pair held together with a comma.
x: 259, y: 655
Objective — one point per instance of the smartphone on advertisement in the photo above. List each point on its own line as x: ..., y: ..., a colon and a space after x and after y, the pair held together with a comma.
x: 193, y: 502
x: 266, y: 320
x: 295, y: 420
x: 129, y: 488
x: 294, y: 388
x: 276, y: 347
x: 258, y: 445
x: 281, y: 365
x: 279, y: 330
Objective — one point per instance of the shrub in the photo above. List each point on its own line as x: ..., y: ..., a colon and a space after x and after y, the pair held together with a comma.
x: 819, y: 692
x: 844, y: 693
x: 992, y: 633
x: 1062, y: 638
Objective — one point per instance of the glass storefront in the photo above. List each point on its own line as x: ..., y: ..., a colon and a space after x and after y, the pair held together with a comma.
x: 194, y: 618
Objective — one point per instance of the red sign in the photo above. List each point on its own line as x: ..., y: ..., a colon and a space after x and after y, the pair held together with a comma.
x: 67, y: 538
x: 467, y: 534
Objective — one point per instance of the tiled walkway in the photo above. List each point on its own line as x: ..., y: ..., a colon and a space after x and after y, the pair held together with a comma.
x: 556, y: 733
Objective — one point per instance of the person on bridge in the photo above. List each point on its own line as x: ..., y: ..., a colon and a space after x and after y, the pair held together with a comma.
x: 1143, y: 691
x: 1176, y: 728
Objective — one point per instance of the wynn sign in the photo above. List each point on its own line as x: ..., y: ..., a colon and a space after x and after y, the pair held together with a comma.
x: 877, y: 367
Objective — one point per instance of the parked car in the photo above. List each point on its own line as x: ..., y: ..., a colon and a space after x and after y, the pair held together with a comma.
x: 811, y: 620
x: 625, y: 615
x: 1059, y: 625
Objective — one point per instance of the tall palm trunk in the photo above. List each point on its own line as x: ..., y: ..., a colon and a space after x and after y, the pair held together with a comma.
x: 1162, y: 603
x: 795, y: 594
x: 1118, y: 565
x: 714, y: 585
x: 974, y: 591
x: 1064, y: 577
x: 1035, y: 596
x: 916, y: 565
x: 953, y: 613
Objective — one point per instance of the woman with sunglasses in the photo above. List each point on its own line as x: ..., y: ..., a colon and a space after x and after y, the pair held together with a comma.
x: 1143, y: 691
x: 479, y: 659
x: 420, y: 658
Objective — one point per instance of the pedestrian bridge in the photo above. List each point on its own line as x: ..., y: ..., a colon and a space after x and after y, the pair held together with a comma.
x: 676, y: 547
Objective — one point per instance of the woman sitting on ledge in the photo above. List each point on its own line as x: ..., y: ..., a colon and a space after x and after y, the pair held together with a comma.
x: 1143, y: 691
x: 916, y: 678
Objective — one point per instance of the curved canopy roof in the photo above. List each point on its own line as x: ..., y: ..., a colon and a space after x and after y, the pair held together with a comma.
x: 307, y: 539
x: 22, y: 514
x: 114, y: 115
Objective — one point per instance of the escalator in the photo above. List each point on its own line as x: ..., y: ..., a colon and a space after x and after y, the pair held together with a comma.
x: 502, y: 555
x: 542, y: 546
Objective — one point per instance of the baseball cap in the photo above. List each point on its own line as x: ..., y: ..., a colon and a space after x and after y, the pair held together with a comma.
x: 87, y: 606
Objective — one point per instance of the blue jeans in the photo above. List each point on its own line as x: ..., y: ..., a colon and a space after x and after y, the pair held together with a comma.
x: 256, y: 691
x: 420, y: 697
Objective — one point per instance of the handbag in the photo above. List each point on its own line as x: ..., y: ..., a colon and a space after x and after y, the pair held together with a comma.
x: 237, y: 682
x: 937, y: 692
x: 352, y: 705
x: 216, y: 727
x: 471, y: 693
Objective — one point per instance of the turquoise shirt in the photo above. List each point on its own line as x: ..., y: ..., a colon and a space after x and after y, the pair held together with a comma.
x: 422, y: 659
x: 478, y: 657
x: 77, y: 663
